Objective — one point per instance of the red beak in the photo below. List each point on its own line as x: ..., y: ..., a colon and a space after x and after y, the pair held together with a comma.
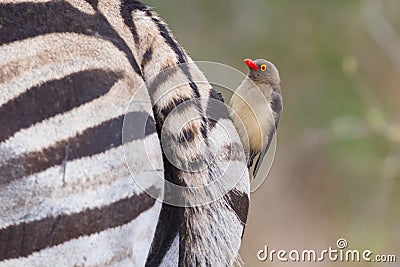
x: 251, y: 64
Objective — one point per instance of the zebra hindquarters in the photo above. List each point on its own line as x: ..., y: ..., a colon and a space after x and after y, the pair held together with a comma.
x: 67, y: 197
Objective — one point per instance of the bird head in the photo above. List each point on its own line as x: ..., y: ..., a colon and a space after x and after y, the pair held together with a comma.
x: 262, y: 71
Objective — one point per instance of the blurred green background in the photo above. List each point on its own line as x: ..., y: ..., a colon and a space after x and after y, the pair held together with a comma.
x: 337, y: 169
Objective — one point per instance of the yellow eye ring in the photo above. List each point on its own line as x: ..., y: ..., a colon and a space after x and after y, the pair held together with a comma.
x: 263, y: 67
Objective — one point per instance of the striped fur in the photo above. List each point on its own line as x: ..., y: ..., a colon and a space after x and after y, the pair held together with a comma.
x: 68, y: 70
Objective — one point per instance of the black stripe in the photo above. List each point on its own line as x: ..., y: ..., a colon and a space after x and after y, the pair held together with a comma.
x: 192, y: 84
x: 147, y: 57
x: 203, y: 129
x: 23, y: 239
x: 166, y: 110
x: 53, y: 97
x: 88, y: 143
x: 239, y: 202
x: 216, y: 110
x: 186, y: 136
x: 25, y: 20
x: 127, y: 6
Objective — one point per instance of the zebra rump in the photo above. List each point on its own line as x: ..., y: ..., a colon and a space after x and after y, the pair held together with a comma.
x: 68, y: 72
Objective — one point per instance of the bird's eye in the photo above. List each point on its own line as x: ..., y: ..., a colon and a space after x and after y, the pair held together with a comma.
x: 263, y: 67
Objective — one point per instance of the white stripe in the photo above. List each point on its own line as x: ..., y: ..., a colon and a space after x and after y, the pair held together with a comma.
x: 82, y: 6
x: 171, y: 258
x: 44, y: 194
x: 131, y: 242
x: 235, y: 170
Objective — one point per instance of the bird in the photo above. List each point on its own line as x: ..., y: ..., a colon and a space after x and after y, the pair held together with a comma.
x: 255, y: 108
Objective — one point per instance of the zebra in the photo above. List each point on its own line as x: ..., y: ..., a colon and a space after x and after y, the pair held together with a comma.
x: 68, y: 69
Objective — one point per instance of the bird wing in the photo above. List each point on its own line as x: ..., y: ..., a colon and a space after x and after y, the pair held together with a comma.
x: 263, y: 152
x: 276, y: 106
